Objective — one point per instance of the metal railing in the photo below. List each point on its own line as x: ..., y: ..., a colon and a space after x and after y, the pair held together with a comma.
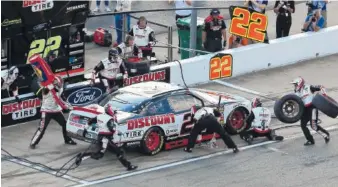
x: 169, y: 44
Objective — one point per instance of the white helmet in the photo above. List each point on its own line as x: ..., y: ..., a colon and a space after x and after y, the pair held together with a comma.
x: 58, y: 83
x: 299, y: 83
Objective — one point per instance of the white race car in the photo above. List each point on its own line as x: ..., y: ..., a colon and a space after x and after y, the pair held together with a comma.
x: 156, y: 115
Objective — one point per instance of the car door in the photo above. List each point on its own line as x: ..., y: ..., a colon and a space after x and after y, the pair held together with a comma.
x: 181, y: 105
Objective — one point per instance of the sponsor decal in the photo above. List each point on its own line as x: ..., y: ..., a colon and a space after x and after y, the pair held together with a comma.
x: 133, y: 143
x: 134, y: 134
x: 8, y: 22
x: 150, y: 121
x: 76, y: 125
x: 84, y: 96
x: 172, y: 137
x: 59, y: 70
x: 39, y: 27
x: 152, y: 76
x: 76, y: 67
x: 24, y: 105
x: 76, y: 7
x: 171, y: 131
x: 38, y: 5
x: 78, y: 119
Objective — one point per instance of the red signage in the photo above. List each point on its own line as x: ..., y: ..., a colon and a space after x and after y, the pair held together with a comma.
x: 14, y: 107
x: 150, y: 121
x: 152, y: 76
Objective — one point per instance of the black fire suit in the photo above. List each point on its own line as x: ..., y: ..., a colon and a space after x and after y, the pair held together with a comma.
x: 105, y: 140
x: 204, y: 118
x: 311, y: 115
x: 213, y: 31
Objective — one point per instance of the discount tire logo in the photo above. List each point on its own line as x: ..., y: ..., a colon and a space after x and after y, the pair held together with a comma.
x: 220, y: 66
x: 24, y: 109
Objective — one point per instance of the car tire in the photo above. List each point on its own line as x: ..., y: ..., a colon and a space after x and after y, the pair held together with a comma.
x: 292, y: 101
x: 152, y: 141
x: 326, y: 104
x: 236, y: 121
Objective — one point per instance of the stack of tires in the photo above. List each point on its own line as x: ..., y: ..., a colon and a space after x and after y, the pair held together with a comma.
x: 292, y: 104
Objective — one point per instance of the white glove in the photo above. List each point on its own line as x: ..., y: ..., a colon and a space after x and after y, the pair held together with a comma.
x: 284, y: 6
x: 125, y: 76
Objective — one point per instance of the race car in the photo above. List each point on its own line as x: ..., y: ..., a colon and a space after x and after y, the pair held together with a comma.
x: 156, y: 115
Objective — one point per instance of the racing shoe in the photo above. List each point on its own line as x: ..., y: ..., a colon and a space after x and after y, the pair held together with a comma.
x: 327, y: 138
x: 188, y: 150
x: 70, y: 142
x: 235, y: 150
x: 131, y: 167
x: 32, y: 146
x: 309, y: 143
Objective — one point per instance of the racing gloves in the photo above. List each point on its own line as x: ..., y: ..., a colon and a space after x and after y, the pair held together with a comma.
x: 224, y: 43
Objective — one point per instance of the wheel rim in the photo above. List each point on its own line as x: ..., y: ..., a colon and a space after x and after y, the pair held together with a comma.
x: 290, y: 108
x: 237, y: 120
x: 153, y: 141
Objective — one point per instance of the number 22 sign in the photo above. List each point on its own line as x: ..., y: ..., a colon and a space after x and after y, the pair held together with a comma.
x: 220, y: 66
x: 248, y: 23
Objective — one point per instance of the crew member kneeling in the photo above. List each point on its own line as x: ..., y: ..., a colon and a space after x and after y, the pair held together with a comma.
x: 105, y: 139
x: 206, y: 118
x: 109, y: 68
x: 144, y: 36
x: 51, y: 108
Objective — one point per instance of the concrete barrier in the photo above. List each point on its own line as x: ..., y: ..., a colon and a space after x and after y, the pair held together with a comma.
x: 279, y: 52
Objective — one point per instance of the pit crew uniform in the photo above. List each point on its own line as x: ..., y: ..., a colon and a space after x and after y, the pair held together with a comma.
x: 213, y: 32
x: 125, y: 51
x: 105, y: 137
x: 9, y: 82
x: 144, y: 38
x: 206, y: 118
x: 109, y: 68
x: 306, y: 93
x: 51, y: 108
x: 258, y: 124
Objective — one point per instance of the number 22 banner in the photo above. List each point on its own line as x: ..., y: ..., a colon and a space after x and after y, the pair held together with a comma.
x: 248, y: 23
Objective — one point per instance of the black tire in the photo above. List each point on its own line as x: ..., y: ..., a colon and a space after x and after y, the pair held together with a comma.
x: 232, y: 128
x: 141, y: 67
x: 288, y: 101
x: 149, y: 149
x: 326, y: 104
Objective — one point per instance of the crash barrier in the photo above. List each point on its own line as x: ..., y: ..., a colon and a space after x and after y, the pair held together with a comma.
x: 251, y: 58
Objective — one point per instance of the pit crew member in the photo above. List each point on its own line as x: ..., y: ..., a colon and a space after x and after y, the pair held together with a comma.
x: 258, y: 123
x: 306, y: 92
x: 9, y: 82
x: 213, y: 31
x: 108, y: 69
x: 105, y: 139
x: 128, y: 48
x: 144, y: 36
x: 207, y: 118
x: 51, y: 108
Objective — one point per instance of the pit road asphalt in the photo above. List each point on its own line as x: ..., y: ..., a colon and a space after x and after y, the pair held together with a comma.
x: 259, y: 166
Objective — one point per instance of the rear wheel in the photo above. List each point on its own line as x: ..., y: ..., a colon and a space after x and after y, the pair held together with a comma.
x: 236, y: 121
x: 152, y: 141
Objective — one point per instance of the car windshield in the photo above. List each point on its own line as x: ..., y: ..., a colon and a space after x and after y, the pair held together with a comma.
x: 124, y: 101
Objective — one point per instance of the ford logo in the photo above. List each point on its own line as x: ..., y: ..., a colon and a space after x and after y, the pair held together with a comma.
x: 84, y: 96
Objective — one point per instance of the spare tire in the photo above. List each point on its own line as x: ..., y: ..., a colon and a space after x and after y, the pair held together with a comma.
x: 326, y: 104
x: 289, y: 109
x: 136, y: 66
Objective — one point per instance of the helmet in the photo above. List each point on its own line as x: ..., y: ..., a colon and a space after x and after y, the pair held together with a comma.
x: 299, y: 83
x: 214, y: 11
x: 113, y: 54
x: 58, y: 83
x: 256, y: 102
x: 109, y: 110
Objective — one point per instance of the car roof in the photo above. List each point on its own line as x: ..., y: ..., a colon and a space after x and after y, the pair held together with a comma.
x: 151, y: 88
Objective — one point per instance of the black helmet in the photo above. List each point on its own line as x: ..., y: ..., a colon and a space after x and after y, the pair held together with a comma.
x: 113, y: 53
x: 214, y: 11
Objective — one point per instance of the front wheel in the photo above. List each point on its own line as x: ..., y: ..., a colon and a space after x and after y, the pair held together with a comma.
x: 152, y: 141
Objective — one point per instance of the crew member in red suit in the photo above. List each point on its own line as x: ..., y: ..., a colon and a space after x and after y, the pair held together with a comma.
x: 214, y: 29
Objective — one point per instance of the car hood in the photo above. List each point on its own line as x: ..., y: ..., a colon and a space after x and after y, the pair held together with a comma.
x: 120, y: 115
x: 213, y: 96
